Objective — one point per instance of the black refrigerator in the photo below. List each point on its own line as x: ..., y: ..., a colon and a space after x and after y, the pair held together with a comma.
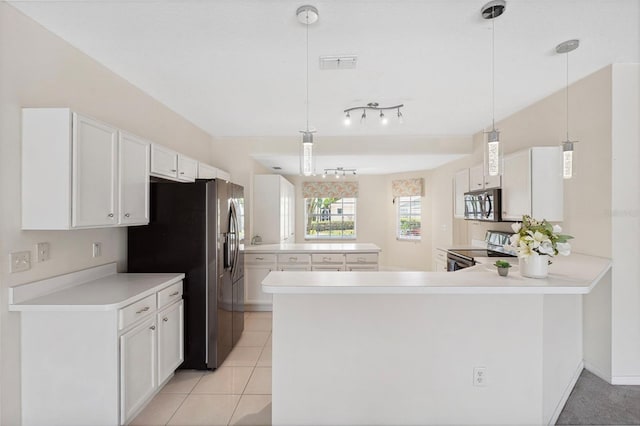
x: 198, y: 228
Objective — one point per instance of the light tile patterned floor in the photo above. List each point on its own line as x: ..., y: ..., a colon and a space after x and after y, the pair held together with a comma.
x: 237, y: 393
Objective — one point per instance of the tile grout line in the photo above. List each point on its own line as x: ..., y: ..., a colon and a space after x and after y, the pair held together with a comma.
x: 185, y: 398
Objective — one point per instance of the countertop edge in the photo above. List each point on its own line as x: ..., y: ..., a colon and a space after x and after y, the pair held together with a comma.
x: 28, y: 307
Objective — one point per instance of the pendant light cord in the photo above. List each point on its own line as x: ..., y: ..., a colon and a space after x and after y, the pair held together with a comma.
x: 307, y: 23
x: 567, y: 96
x: 493, y: 74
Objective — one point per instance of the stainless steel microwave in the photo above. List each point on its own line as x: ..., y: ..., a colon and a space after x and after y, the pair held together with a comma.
x: 484, y: 204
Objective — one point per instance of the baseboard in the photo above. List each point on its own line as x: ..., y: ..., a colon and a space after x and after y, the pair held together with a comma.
x: 257, y: 307
x: 565, y: 394
x: 625, y: 380
x: 606, y: 376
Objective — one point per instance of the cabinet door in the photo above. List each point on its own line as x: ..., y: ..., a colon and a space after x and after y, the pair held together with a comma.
x: 138, y: 368
x: 133, y: 182
x: 94, y: 177
x: 292, y: 213
x: 516, y: 186
x: 164, y: 162
x: 492, y: 181
x: 206, y: 171
x: 476, y: 178
x: 170, y: 339
x: 461, y: 185
x: 253, y: 276
x: 187, y: 169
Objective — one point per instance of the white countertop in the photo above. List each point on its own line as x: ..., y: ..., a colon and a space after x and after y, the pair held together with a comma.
x: 313, y: 248
x: 102, y: 294
x: 575, y: 274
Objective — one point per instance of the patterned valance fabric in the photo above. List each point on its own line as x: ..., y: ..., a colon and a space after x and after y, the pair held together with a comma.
x: 407, y: 187
x: 330, y: 189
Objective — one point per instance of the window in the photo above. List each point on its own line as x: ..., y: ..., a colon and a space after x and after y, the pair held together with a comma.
x: 409, y: 217
x: 330, y: 218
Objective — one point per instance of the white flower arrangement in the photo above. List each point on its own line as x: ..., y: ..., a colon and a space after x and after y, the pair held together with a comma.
x: 535, y: 237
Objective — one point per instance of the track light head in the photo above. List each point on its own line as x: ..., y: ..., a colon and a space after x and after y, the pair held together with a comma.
x: 347, y: 120
x: 383, y: 119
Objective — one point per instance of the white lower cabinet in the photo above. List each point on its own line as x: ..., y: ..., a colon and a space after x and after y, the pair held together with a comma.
x: 258, y: 265
x: 100, y: 366
x: 138, y: 361
x: 170, y: 337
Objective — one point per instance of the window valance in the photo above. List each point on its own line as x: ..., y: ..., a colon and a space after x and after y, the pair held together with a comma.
x: 330, y: 189
x: 407, y: 187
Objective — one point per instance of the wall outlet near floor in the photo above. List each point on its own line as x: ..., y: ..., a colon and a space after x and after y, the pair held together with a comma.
x: 20, y: 261
x: 480, y: 376
x: 97, y: 249
x: 42, y: 252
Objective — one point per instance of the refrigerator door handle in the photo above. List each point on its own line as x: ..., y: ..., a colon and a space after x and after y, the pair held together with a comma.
x: 236, y: 238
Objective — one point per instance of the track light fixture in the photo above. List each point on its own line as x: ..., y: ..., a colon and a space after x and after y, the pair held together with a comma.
x: 338, y: 171
x: 384, y: 120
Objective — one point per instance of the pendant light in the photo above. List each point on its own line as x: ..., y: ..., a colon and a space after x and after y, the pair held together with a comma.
x: 493, y: 148
x: 307, y: 15
x: 567, y: 144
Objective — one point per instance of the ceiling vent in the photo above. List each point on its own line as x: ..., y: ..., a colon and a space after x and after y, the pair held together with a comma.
x: 343, y: 62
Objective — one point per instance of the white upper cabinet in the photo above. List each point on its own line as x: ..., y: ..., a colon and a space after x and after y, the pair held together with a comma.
x: 164, y: 162
x: 187, y: 169
x: 94, y: 173
x: 274, y: 199
x: 71, y: 172
x: 532, y: 184
x: 133, y: 180
x: 478, y: 180
x: 460, y: 186
x: 206, y: 171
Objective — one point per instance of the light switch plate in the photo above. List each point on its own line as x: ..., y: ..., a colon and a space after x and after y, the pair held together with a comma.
x: 42, y: 252
x: 20, y: 261
x: 97, y: 249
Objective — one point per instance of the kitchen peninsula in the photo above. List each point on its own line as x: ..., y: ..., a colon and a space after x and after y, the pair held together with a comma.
x: 419, y: 348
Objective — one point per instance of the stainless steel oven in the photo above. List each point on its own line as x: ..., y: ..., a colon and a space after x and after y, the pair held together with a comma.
x: 463, y: 258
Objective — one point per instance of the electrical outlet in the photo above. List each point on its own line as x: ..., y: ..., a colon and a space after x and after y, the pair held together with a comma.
x: 42, y: 252
x: 480, y: 376
x: 97, y: 249
x: 20, y: 261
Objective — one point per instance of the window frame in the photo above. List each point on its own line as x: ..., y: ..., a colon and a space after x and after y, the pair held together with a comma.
x: 342, y: 215
x: 411, y: 199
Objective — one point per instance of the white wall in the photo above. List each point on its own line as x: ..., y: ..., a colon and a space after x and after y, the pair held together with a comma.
x: 625, y: 219
x: 38, y: 69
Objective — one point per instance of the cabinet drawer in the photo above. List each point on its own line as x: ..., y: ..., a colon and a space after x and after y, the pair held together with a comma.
x: 327, y: 258
x: 260, y: 259
x: 441, y: 255
x: 132, y: 313
x: 294, y: 258
x: 362, y: 258
x: 169, y: 295
x: 337, y: 268
x: 362, y: 267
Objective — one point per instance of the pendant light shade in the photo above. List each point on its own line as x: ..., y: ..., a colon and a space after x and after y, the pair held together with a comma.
x: 493, y: 148
x: 568, y: 170
x: 307, y: 15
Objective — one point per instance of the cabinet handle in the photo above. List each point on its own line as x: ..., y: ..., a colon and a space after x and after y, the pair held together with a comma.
x: 127, y: 215
x: 153, y: 327
x: 165, y: 319
x: 259, y: 258
x: 175, y: 293
x: 361, y: 260
x: 181, y: 173
x: 479, y: 184
x: 110, y: 215
x: 174, y: 170
x: 294, y: 259
x: 326, y: 259
x: 145, y: 309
